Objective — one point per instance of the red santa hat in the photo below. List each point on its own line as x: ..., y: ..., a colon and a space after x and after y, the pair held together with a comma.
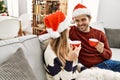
x: 55, y: 24
x: 80, y: 9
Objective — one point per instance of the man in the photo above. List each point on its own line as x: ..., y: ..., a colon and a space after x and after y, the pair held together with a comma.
x: 91, y: 56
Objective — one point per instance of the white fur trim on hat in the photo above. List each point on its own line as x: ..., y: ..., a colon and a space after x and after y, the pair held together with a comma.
x: 53, y: 34
x: 63, y: 25
x: 80, y: 11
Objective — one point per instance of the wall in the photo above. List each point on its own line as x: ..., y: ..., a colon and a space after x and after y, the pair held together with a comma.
x: 22, y: 7
x: 90, y: 4
x: 29, y: 6
x: 71, y: 5
x: 109, y: 13
x: 93, y: 6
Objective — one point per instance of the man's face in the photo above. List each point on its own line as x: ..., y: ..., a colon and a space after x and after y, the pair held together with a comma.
x: 82, y: 23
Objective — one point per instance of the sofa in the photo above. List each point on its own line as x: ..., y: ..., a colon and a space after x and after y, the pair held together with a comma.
x: 28, y: 64
x: 21, y: 59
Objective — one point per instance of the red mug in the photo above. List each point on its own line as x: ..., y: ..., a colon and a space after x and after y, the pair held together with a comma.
x: 75, y: 43
x: 93, y: 42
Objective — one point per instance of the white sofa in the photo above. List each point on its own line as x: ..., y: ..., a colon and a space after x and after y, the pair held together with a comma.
x: 115, y: 54
x: 9, y: 27
x: 33, y: 53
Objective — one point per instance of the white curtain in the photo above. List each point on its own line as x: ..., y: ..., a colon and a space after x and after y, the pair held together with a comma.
x: 29, y: 8
x: 13, y: 8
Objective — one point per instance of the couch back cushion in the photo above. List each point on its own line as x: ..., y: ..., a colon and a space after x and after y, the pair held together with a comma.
x: 9, y: 28
x: 113, y: 36
x: 16, y: 68
x: 32, y: 51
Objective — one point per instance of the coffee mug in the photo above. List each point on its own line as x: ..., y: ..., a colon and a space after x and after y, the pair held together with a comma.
x: 93, y: 42
x: 75, y: 43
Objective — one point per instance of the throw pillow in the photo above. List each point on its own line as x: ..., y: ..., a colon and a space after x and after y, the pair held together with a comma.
x: 113, y: 36
x: 16, y: 68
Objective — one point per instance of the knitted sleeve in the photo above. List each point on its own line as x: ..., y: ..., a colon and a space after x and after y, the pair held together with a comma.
x: 107, y: 52
x: 54, y: 67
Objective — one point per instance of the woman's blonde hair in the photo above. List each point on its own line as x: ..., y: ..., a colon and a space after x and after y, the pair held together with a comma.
x: 60, y: 46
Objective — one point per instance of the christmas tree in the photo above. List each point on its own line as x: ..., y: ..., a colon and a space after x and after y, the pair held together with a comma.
x: 3, y: 8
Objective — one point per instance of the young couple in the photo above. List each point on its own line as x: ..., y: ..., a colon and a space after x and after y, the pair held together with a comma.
x: 61, y: 59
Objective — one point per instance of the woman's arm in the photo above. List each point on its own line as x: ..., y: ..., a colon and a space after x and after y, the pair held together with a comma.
x: 57, y: 71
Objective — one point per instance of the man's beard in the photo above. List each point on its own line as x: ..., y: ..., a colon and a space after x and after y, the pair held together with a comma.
x: 83, y: 27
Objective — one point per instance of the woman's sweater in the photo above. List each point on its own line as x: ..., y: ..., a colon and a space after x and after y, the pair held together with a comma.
x: 54, y: 68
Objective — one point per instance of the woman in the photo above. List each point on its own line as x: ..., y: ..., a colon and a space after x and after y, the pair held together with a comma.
x: 60, y: 58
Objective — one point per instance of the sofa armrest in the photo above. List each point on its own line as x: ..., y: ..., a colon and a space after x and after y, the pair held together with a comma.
x: 115, y: 53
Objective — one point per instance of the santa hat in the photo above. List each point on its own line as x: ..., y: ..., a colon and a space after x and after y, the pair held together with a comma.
x: 80, y: 9
x: 55, y: 24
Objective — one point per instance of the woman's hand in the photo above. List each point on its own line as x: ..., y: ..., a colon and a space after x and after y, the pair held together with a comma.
x: 73, y: 53
x: 100, y: 47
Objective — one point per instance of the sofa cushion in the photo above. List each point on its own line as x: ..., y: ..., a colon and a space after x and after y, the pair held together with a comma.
x: 34, y: 55
x: 16, y: 68
x: 113, y: 36
x: 44, y: 40
x: 9, y: 28
x: 32, y: 51
x: 115, y: 53
x: 44, y: 44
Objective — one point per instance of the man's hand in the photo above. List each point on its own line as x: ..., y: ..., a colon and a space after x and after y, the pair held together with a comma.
x: 100, y: 47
